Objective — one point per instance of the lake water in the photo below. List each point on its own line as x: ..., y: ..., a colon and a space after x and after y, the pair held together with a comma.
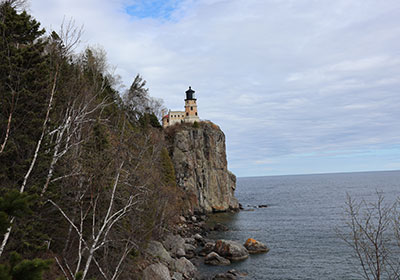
x: 299, y: 223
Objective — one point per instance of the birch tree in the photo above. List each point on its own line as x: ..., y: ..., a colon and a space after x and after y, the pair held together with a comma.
x: 372, y: 233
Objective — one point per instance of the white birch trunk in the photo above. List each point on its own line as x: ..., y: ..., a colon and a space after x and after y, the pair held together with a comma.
x: 33, y: 162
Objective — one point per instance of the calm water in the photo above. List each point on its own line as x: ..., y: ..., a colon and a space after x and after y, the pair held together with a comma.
x: 299, y: 224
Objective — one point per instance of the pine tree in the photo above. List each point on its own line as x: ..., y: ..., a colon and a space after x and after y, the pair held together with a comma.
x: 24, y: 88
x: 24, y: 80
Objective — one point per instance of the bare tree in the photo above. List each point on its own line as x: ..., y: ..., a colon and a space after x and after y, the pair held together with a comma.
x: 67, y: 133
x: 100, y: 230
x: 372, y: 233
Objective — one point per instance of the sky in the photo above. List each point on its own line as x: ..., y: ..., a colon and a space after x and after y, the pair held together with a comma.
x: 298, y: 87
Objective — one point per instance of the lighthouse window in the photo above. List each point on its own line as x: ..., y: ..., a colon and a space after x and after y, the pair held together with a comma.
x: 191, y: 108
x: 187, y: 114
x: 196, y: 113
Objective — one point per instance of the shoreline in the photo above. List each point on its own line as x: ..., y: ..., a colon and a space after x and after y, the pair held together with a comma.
x: 185, y: 253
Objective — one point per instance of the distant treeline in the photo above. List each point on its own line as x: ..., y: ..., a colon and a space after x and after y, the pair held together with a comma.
x: 85, y: 176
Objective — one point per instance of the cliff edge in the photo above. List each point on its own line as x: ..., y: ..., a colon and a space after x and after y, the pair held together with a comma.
x: 199, y: 157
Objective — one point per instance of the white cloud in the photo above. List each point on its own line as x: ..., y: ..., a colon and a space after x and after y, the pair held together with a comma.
x: 281, y: 78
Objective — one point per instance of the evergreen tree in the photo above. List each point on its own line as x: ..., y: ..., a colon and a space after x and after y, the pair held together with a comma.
x: 24, y: 80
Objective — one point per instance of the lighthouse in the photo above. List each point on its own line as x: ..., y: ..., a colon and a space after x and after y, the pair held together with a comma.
x: 190, y: 115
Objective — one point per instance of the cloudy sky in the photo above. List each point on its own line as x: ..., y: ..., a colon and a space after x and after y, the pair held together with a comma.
x: 298, y: 87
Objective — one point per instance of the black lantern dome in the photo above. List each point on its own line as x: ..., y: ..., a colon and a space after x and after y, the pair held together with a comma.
x: 190, y: 94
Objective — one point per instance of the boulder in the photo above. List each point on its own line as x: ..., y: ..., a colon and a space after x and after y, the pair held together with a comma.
x: 231, y: 250
x: 190, y: 240
x: 208, y: 247
x: 175, y: 244
x: 177, y: 276
x: 186, y: 267
x: 190, y: 251
x: 215, y: 259
x: 156, y: 271
x: 255, y: 247
x: 198, y: 237
x: 157, y: 250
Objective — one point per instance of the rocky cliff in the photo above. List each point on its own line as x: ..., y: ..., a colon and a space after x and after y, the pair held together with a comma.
x: 199, y: 157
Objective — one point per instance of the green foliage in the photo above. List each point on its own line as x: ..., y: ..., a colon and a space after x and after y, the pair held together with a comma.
x: 111, y: 131
x: 13, y: 203
x: 24, y: 80
x: 149, y: 119
x: 168, y: 170
x: 196, y: 125
x: 79, y: 275
x: 19, y: 269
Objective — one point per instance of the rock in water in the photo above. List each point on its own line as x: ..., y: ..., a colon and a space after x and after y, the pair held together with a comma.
x: 215, y: 259
x: 208, y: 247
x: 255, y: 247
x: 156, y: 271
x: 231, y: 274
x: 231, y: 250
x: 220, y: 227
x: 199, y: 158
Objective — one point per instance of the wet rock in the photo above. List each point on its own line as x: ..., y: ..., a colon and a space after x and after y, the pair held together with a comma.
x: 220, y: 227
x: 262, y: 206
x: 208, y: 248
x: 157, y: 250
x: 186, y: 267
x: 215, y: 259
x: 231, y: 274
x: 156, y: 271
x: 255, y: 247
x: 231, y: 250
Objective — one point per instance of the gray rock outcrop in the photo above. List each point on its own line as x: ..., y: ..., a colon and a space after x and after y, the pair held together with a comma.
x: 199, y: 158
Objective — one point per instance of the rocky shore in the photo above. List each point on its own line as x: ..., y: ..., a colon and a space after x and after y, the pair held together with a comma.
x: 179, y: 255
x: 198, y: 154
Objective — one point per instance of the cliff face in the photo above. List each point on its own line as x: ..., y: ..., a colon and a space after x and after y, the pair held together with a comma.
x: 199, y: 158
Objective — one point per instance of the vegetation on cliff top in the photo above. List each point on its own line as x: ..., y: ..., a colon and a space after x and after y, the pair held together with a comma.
x: 85, y: 177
